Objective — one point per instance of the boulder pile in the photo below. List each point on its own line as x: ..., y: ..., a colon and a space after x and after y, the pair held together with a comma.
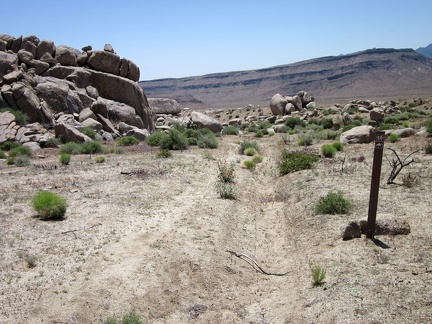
x: 285, y: 105
x: 97, y: 89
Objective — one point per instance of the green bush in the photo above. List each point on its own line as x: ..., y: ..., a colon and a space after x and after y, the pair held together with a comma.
x: 51, y: 142
x: 428, y: 149
x: 9, y: 145
x: 49, y: 205
x: 292, y: 122
x: 174, y: 141
x: 333, y: 203
x: 2, y: 155
x: 91, y: 147
x: 328, y: 150
x: 156, y: 138
x: 21, y: 160
x: 163, y: 153
x: 327, y: 123
x: 250, y: 151
x: 20, y: 118
x: 296, y: 161
x: 249, y: 164
x: 192, y: 141
x: 259, y: 133
x: 305, y: 140
x: 391, y: 120
x: 10, y: 160
x: 429, y: 127
x: 318, y: 275
x: 100, y: 159
x: 20, y: 150
x: 208, y: 140
x: 65, y: 158
x: 90, y: 132
x: 257, y: 158
x: 230, y: 130
x: 393, y: 138
x: 127, y: 141
x: 245, y: 145
x: 383, y: 127
x: 131, y: 317
x: 338, y: 146
x: 71, y: 148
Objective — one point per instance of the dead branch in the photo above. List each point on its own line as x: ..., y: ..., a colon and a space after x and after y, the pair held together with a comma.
x: 397, y: 165
x: 81, y: 229
x: 254, y: 264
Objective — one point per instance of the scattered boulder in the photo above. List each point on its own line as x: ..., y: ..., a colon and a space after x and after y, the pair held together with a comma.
x: 205, y: 121
x: 69, y: 133
x: 164, y: 106
x: 404, y: 132
x: 358, y: 135
x: 277, y: 104
x: 376, y: 114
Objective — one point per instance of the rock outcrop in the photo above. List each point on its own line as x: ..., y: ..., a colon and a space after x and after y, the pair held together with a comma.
x: 44, y: 81
x: 282, y: 105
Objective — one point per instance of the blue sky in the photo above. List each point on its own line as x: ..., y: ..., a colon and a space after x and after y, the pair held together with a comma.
x: 168, y: 38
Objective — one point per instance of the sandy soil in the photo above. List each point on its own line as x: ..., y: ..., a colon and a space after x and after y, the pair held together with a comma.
x: 156, y: 241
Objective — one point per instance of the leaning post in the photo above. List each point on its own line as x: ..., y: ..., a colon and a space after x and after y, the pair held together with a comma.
x: 375, y: 182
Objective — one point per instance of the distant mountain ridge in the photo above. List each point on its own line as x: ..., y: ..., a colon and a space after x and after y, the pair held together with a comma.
x: 375, y: 74
x: 425, y: 51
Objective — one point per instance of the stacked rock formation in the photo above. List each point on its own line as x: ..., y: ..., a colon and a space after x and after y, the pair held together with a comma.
x: 97, y: 88
x: 284, y: 105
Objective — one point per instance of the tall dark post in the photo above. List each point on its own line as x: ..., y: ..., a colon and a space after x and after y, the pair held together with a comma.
x: 375, y: 182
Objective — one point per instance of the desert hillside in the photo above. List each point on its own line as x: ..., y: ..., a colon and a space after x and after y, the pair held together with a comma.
x: 378, y: 74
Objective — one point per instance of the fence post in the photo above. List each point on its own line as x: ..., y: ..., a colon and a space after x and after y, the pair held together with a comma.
x: 375, y: 182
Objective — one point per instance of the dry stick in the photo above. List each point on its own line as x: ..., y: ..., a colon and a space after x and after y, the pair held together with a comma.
x: 82, y: 229
x: 398, y: 165
x: 254, y: 264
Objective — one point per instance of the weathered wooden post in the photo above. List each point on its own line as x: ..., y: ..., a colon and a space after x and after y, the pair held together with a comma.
x: 375, y: 182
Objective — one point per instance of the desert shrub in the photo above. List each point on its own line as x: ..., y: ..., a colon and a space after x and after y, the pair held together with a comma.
x: 156, y: 138
x: 49, y: 205
x: 9, y: 145
x: 225, y: 184
x: 296, y: 161
x: 391, y: 120
x: 304, y: 140
x: 257, y: 158
x: 264, y: 125
x: 51, y: 142
x: 230, y: 130
x: 90, y: 132
x: 246, y: 144
x: 100, y: 159
x: 294, y: 121
x: 383, y: 127
x: 252, y: 128
x: 10, y: 160
x: 208, y: 140
x: 393, y: 138
x: 127, y: 141
x: 328, y: 150
x: 2, y: 155
x: 20, y: 150
x: 20, y: 117
x: 21, y: 160
x: 192, y: 141
x: 163, y: 153
x: 179, y: 126
x: 259, y: 133
x: 332, y: 203
x: 410, y: 180
x: 405, y: 124
x: 250, y: 151
x: 131, y: 317
x: 327, y: 123
x: 338, y: 146
x: 318, y: 274
x: 91, y: 147
x: 314, y: 121
x: 192, y: 133
x: 70, y: 148
x: 65, y: 158
x: 429, y: 127
x: 226, y: 172
x: 174, y: 141
x: 428, y: 149
x: 249, y: 164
